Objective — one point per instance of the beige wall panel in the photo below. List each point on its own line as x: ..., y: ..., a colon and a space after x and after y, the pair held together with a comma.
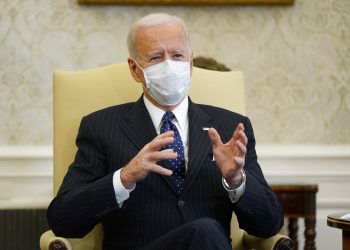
x: 295, y: 60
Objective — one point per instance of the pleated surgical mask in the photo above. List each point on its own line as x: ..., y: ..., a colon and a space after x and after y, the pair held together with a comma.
x: 168, y: 82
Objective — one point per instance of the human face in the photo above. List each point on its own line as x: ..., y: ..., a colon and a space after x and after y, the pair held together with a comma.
x: 155, y: 45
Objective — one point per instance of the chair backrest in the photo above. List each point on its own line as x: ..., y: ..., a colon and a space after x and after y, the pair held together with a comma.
x: 79, y: 93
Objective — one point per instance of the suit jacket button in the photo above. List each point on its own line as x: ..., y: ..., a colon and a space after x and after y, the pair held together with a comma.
x: 181, y: 203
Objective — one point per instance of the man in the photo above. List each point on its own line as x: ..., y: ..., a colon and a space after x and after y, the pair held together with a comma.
x: 151, y: 174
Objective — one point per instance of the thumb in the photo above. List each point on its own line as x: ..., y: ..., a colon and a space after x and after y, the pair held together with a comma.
x: 214, y: 137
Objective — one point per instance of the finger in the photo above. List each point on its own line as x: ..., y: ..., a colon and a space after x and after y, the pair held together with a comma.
x: 165, y: 154
x: 240, y: 136
x: 240, y: 127
x: 243, y: 137
x: 165, y: 134
x: 214, y: 137
x: 240, y: 161
x: 161, y: 141
x: 160, y: 170
x: 242, y: 148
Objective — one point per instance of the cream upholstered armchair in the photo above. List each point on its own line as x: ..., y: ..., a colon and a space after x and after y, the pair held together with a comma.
x: 79, y: 93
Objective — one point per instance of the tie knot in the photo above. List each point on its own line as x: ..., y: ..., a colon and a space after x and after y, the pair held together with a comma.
x: 168, y: 116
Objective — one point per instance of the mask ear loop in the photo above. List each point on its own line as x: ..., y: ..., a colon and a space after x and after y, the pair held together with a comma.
x: 148, y: 82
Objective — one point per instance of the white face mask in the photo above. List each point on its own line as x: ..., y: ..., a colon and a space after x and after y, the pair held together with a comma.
x: 168, y: 82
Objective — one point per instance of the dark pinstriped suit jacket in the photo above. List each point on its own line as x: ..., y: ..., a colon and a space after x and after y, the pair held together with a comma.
x: 109, y: 138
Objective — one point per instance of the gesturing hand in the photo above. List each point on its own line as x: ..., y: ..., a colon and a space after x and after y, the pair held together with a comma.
x: 230, y: 157
x: 146, y: 160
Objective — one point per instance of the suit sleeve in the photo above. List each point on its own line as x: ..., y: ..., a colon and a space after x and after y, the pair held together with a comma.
x: 258, y: 210
x: 86, y: 194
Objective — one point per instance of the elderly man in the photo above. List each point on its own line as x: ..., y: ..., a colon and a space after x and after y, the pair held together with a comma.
x: 149, y: 172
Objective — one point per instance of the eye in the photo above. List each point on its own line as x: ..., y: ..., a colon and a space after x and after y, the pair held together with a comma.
x: 155, y: 58
x: 178, y: 56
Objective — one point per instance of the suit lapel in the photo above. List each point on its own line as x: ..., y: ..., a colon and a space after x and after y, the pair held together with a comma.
x: 138, y: 125
x: 199, y: 142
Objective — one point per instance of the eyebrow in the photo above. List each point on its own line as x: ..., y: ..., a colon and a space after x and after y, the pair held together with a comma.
x: 155, y: 53
x: 177, y: 51
x: 161, y: 52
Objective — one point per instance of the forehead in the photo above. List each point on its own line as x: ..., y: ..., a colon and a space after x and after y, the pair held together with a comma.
x: 167, y: 36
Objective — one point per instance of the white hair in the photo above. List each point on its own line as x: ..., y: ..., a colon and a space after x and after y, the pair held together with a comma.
x: 152, y: 20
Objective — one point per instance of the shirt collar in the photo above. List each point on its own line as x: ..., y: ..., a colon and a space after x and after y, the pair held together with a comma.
x: 156, y: 113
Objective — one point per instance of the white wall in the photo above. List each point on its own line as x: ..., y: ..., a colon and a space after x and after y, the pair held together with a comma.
x: 327, y: 166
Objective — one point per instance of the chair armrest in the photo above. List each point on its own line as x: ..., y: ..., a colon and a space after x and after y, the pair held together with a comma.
x: 276, y: 242
x: 48, y: 241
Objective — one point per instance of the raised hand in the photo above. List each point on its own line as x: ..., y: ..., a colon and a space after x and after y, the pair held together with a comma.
x: 146, y: 160
x: 230, y: 156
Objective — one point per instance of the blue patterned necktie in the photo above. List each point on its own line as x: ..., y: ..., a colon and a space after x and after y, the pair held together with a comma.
x: 177, y: 165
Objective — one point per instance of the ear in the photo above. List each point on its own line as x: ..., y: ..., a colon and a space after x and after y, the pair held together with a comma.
x: 135, y: 71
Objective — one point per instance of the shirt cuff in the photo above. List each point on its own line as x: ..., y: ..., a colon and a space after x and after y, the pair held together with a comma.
x: 235, y: 193
x: 121, y: 193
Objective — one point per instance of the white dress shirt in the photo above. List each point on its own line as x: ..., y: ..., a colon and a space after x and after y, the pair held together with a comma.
x: 181, y: 122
